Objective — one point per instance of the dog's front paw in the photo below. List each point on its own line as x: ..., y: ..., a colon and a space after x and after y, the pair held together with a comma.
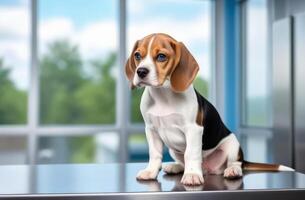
x: 147, y: 174
x: 192, y: 179
x: 233, y: 172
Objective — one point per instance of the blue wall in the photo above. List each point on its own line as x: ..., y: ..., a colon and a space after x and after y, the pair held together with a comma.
x: 231, y: 63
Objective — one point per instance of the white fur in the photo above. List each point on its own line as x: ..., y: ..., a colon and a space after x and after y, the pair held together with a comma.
x: 172, y: 116
x: 231, y: 148
x: 233, y: 171
x: 227, y: 157
x: 285, y: 168
x: 155, y: 156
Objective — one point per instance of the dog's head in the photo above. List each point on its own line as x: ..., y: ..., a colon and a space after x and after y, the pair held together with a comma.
x: 158, y: 57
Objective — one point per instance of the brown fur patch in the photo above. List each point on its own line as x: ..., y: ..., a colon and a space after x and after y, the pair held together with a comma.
x: 240, y: 157
x: 250, y: 166
x: 200, y: 117
x: 167, y: 45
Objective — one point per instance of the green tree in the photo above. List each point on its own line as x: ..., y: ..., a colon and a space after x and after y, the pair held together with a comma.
x: 136, y: 115
x: 71, y: 95
x: 76, y: 92
x: 13, y: 101
x: 61, y: 76
x: 96, y: 99
x: 100, y: 106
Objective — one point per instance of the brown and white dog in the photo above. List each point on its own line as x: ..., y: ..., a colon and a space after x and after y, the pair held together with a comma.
x: 176, y: 115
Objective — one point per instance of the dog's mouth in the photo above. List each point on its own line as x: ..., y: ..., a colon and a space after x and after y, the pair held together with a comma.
x: 143, y: 83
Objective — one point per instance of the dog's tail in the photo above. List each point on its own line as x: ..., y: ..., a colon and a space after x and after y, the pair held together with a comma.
x: 252, y: 166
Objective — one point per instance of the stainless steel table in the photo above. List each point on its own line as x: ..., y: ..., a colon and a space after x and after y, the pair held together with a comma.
x: 117, y: 181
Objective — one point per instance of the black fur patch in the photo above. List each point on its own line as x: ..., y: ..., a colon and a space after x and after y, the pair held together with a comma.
x: 214, y: 129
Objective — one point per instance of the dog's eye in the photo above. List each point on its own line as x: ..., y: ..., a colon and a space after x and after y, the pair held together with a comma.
x: 137, y: 56
x: 161, y: 57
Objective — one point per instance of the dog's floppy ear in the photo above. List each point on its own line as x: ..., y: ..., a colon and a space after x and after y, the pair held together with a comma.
x: 130, y: 65
x: 185, y: 71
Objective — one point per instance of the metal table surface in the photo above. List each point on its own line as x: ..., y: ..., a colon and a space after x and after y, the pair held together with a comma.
x: 117, y: 181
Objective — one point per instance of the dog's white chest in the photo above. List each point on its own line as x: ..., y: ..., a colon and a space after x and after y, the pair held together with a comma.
x: 170, y: 128
x: 169, y: 114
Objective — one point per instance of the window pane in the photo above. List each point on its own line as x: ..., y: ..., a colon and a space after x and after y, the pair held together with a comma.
x: 13, y: 150
x: 138, y: 149
x: 173, y: 17
x: 77, y: 58
x: 258, y: 98
x: 99, y: 148
x: 14, y: 60
x: 258, y: 147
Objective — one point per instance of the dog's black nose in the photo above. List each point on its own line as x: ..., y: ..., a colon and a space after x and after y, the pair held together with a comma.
x: 142, y: 72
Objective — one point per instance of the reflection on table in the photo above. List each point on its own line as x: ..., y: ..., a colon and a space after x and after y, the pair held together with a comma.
x: 113, y: 178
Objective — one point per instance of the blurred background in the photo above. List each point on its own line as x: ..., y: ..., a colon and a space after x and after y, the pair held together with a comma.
x: 64, y: 97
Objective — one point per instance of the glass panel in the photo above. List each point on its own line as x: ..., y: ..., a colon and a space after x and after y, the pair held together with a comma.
x: 258, y: 97
x: 99, y: 148
x: 14, y: 60
x: 13, y: 150
x: 258, y: 147
x: 77, y: 57
x: 138, y: 149
x: 173, y: 17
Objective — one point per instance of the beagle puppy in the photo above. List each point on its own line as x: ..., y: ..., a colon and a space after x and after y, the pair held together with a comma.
x: 176, y: 115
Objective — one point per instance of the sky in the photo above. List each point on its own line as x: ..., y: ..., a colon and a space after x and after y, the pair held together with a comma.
x: 15, y: 39
x: 93, y: 26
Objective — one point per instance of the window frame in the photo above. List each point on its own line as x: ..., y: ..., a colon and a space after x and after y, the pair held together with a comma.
x: 243, y: 126
x: 123, y: 125
x: 246, y: 131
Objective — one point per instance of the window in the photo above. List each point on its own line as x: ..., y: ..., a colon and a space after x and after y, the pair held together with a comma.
x: 14, y: 77
x: 72, y: 51
x: 14, y: 61
x: 77, y: 60
x: 257, y: 94
x: 256, y: 82
x: 187, y: 21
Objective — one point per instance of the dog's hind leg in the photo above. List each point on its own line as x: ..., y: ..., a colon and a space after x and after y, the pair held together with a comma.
x: 176, y: 167
x: 214, y: 162
x: 234, y: 165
